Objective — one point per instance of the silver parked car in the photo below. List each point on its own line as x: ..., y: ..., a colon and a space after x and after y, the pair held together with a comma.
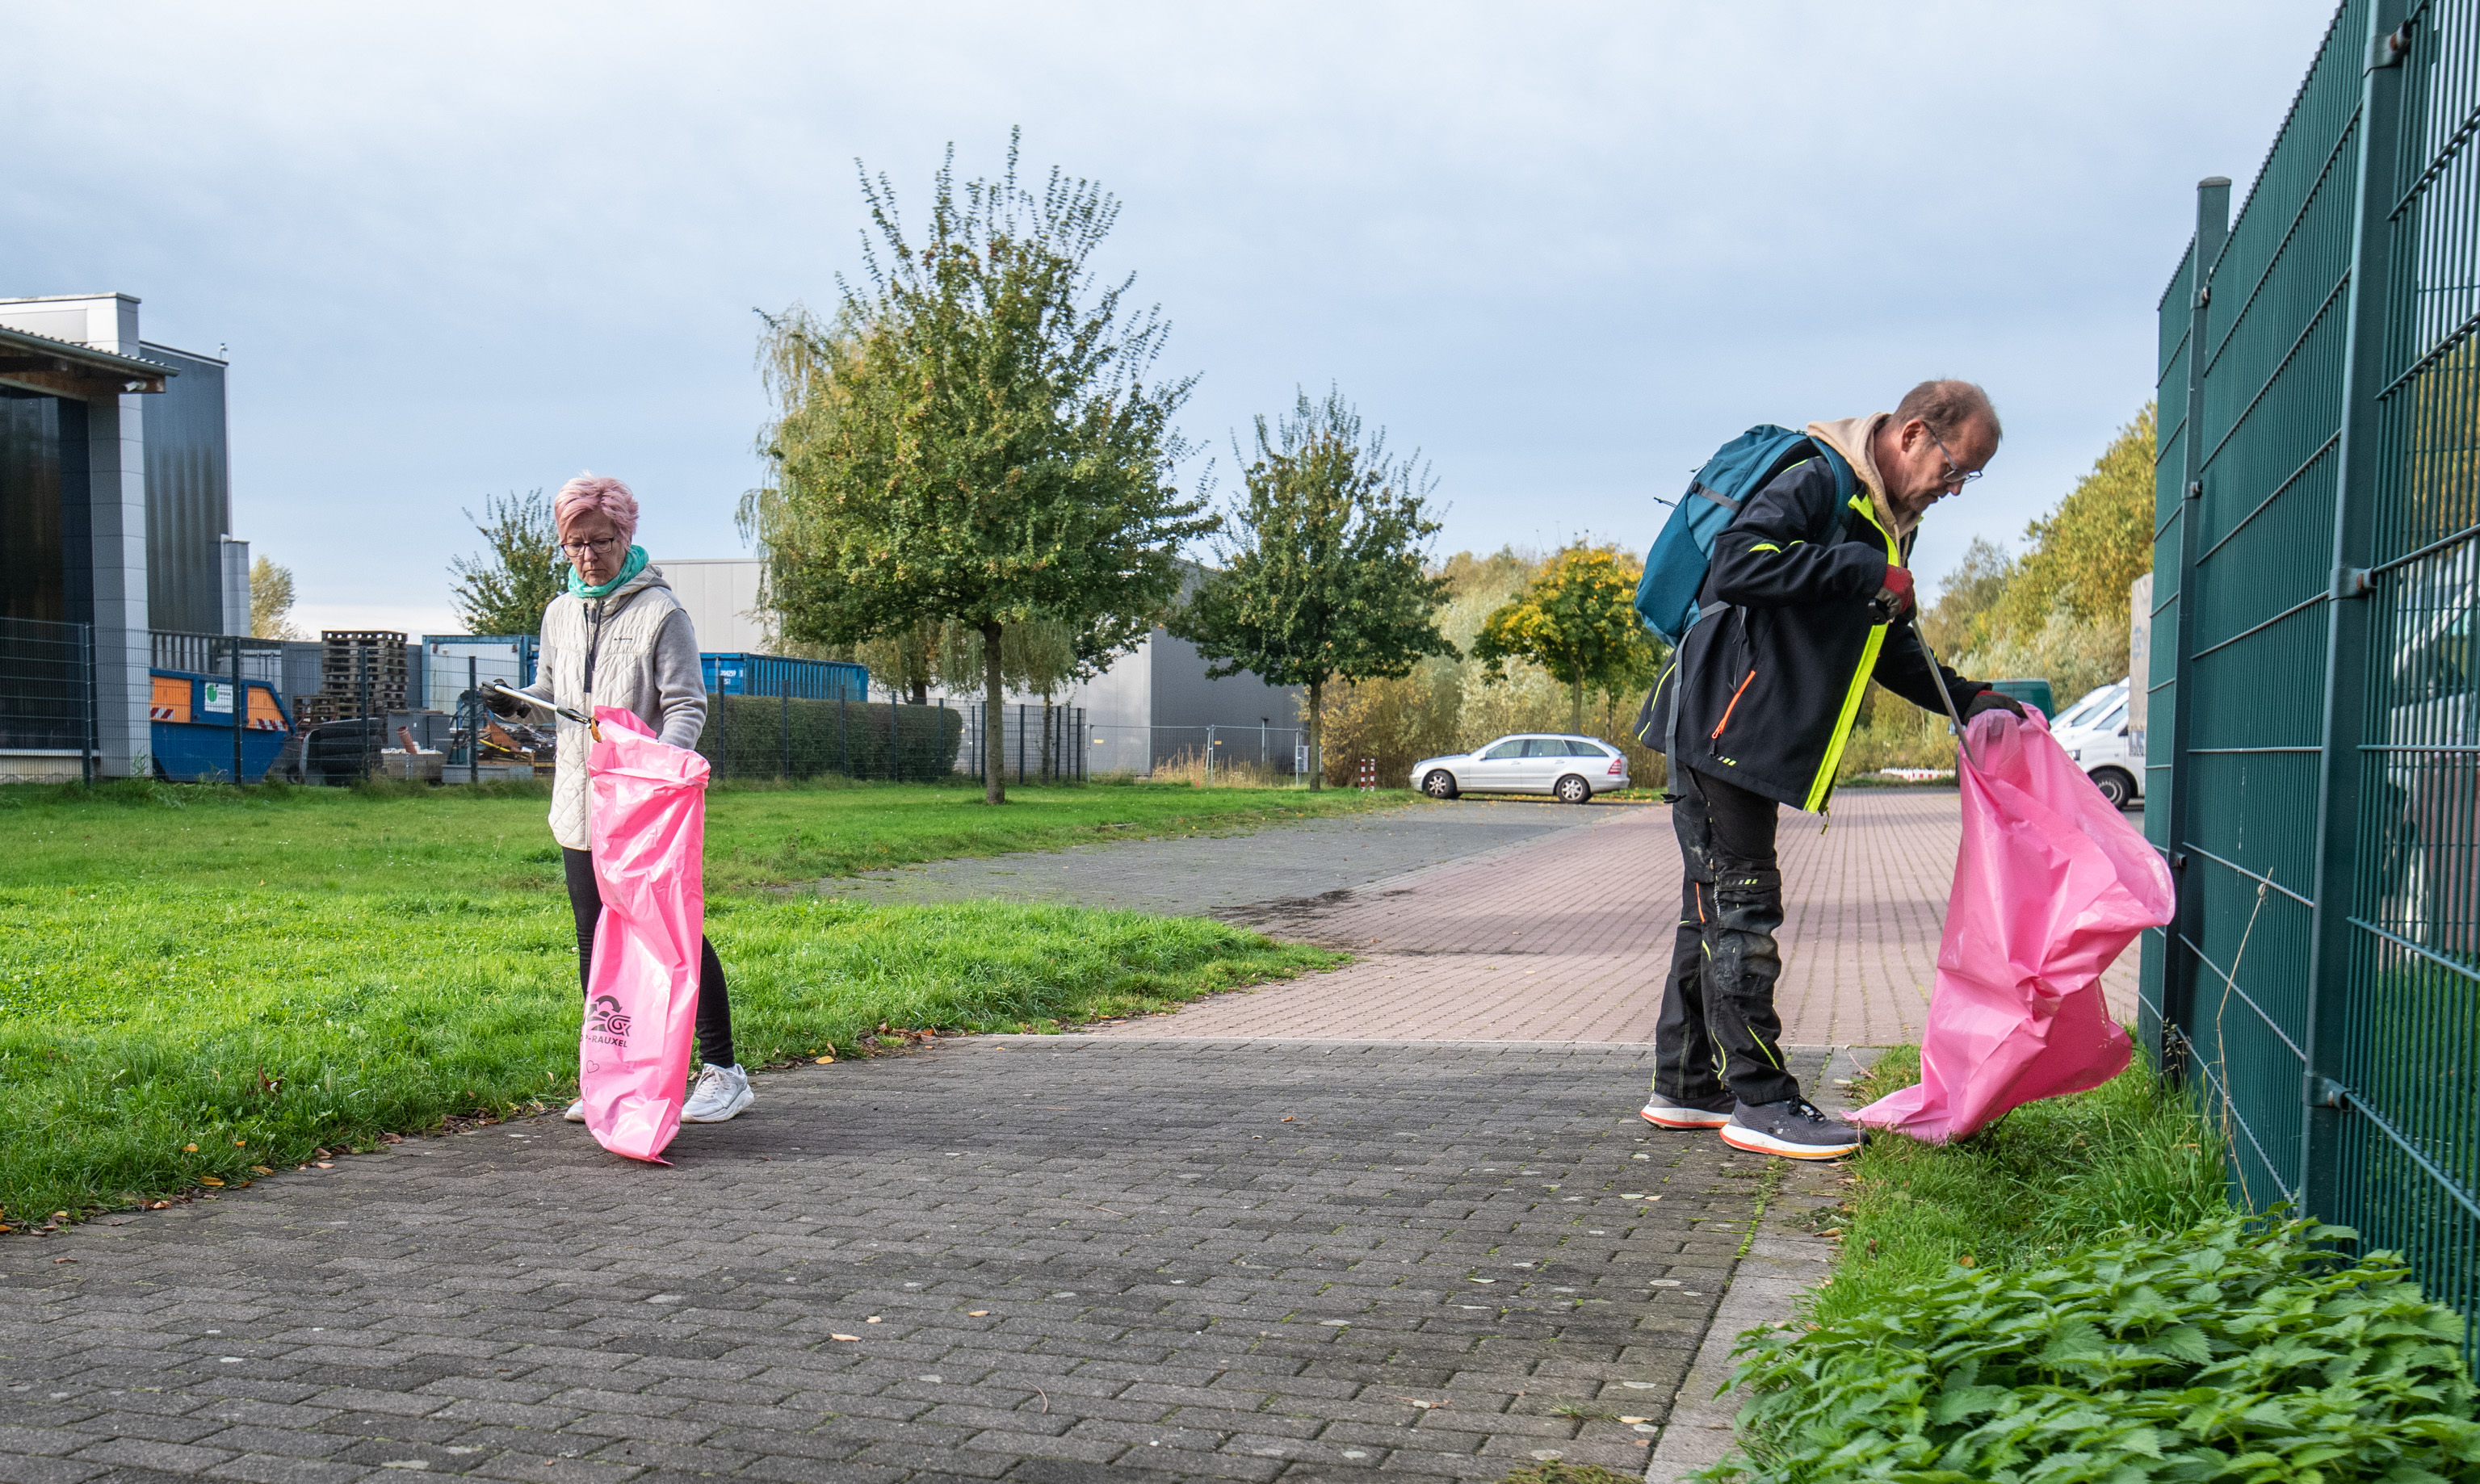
x: 1570, y: 768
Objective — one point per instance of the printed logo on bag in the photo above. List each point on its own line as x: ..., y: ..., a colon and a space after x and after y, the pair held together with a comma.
x: 606, y: 1022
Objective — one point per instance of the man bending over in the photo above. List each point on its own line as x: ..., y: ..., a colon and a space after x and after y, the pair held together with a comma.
x: 1803, y: 605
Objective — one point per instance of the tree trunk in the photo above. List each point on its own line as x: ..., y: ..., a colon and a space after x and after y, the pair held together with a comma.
x: 1317, y: 735
x: 994, y: 720
x: 1576, y: 708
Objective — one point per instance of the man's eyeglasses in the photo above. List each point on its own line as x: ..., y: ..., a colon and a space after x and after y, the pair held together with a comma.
x: 1956, y: 474
x: 577, y: 548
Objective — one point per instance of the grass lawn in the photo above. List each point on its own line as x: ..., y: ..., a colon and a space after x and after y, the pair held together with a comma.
x: 2129, y: 1157
x: 198, y: 982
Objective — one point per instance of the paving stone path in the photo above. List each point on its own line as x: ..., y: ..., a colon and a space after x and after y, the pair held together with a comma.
x: 1568, y: 937
x: 1049, y: 1260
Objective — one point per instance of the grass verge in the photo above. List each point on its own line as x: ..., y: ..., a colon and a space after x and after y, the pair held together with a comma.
x: 198, y: 984
x: 2129, y: 1157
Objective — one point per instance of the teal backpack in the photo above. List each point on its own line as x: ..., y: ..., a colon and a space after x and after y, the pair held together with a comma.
x: 1674, y: 570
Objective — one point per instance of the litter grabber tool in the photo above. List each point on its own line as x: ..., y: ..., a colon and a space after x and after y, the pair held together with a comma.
x: 538, y: 703
x: 1937, y: 672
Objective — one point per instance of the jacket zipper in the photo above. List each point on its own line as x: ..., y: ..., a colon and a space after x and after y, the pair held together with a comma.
x: 1822, y: 788
x: 1716, y: 732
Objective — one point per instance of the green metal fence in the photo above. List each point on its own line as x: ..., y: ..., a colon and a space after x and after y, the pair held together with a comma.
x: 2314, y: 758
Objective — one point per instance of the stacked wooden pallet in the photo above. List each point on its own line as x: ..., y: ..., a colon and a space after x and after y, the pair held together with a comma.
x: 346, y: 657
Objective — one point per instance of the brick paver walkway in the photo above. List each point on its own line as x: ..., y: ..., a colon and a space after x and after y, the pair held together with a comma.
x: 1567, y: 939
x: 1048, y: 1260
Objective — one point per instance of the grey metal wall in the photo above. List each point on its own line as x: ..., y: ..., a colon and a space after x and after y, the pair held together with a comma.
x: 1183, y: 697
x: 189, y: 500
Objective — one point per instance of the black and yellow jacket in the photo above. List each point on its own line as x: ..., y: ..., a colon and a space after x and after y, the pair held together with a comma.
x: 1769, y: 682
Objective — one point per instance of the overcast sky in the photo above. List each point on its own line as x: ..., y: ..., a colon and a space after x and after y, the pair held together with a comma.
x: 1563, y: 250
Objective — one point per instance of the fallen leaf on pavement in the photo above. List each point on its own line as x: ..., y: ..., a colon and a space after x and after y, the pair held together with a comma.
x: 977, y: 1314
x: 872, y: 1320
x: 846, y: 1339
x: 64, y: 1260
x: 209, y: 1180
x: 826, y: 1060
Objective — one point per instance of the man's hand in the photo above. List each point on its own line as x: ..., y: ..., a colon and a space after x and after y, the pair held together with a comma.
x: 1993, y: 700
x: 1894, y: 598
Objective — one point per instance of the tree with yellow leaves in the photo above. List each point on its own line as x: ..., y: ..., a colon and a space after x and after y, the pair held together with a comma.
x: 1576, y: 620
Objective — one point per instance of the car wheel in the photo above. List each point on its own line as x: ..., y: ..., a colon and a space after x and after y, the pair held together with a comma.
x: 2115, y: 786
x: 1439, y: 784
x: 1572, y: 790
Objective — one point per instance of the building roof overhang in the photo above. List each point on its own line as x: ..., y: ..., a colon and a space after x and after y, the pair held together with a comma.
x: 63, y: 368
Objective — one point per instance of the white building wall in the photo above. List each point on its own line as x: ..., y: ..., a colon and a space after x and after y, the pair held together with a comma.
x: 721, y: 597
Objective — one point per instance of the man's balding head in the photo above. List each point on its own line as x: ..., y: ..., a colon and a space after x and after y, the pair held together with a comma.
x: 1949, y: 407
x: 1940, y: 433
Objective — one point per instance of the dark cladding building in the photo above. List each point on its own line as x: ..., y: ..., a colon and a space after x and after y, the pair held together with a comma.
x: 116, y: 512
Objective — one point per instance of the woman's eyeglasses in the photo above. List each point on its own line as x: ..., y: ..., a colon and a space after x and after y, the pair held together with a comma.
x: 577, y: 548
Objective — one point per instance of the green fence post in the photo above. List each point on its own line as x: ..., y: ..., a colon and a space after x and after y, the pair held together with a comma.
x: 2348, y: 629
x: 2177, y: 960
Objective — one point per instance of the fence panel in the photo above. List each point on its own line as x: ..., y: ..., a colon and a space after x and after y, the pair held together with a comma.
x: 46, y: 701
x: 2318, y: 790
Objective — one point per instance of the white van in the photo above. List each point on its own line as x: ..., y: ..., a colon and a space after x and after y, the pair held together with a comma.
x: 2093, y: 732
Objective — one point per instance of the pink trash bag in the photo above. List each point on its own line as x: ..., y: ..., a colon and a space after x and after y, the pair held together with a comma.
x: 2052, y: 886
x: 648, y: 830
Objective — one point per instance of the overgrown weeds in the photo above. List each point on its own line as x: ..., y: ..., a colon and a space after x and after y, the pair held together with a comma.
x: 2130, y: 1157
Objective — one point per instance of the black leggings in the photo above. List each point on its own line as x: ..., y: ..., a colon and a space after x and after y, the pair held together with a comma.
x: 714, y: 1000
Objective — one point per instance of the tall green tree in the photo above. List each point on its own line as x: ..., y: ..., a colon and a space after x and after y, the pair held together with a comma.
x: 271, y: 600
x: 2085, y: 553
x: 505, y: 589
x: 974, y: 437
x: 1325, y: 578
x: 1577, y: 619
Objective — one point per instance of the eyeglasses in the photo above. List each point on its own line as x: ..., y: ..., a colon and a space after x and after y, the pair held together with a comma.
x: 576, y: 549
x: 1955, y: 474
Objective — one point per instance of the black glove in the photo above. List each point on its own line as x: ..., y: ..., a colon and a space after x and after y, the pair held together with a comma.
x: 1993, y: 700
x: 503, y: 706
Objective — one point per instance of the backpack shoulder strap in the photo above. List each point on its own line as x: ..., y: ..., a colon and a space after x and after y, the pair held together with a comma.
x: 1845, y: 485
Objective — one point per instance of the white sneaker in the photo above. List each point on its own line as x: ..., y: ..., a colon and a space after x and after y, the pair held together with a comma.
x: 720, y: 1093
x: 575, y: 1111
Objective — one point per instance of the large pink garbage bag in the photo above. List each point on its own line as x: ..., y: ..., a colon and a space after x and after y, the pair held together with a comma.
x: 2052, y: 886
x: 649, y: 834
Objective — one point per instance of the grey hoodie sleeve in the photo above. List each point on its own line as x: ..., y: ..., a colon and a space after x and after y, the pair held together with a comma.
x: 679, y: 682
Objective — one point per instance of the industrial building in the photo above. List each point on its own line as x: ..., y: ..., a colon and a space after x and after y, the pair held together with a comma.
x: 115, y: 524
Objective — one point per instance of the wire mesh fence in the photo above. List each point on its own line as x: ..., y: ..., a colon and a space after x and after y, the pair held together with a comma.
x: 47, y: 718
x: 2316, y: 789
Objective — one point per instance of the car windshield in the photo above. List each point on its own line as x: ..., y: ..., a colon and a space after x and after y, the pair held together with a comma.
x: 2079, y: 714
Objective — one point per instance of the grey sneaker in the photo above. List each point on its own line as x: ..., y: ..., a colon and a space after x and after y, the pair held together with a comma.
x: 1707, y: 1113
x: 720, y: 1093
x: 1792, y: 1128
x: 575, y: 1111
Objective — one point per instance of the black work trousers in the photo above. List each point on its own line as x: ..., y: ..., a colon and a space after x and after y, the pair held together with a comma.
x: 714, y: 1001
x: 1719, y: 1031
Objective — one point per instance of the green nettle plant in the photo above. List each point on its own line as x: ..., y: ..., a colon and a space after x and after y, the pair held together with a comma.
x: 1327, y: 579
x: 2231, y: 1352
x: 973, y: 440
x: 505, y: 589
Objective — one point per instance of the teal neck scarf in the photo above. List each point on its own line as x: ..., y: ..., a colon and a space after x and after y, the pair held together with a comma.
x: 635, y: 564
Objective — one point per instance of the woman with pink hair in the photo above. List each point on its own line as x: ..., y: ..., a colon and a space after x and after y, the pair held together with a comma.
x: 619, y: 638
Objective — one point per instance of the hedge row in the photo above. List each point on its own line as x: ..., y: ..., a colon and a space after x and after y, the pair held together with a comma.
x: 746, y: 738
